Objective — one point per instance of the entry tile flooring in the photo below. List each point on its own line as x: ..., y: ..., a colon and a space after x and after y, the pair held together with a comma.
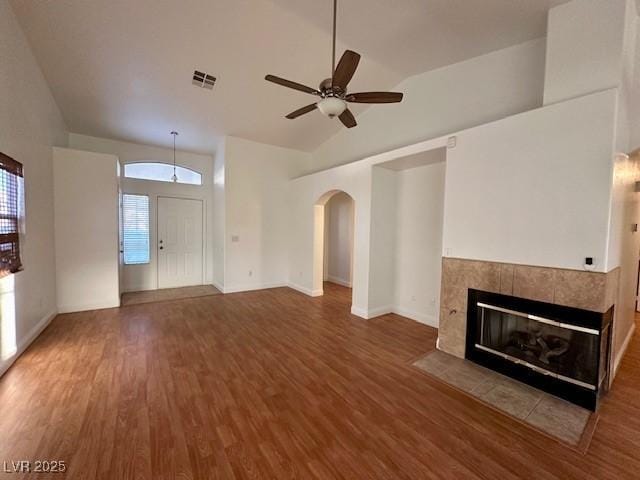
x: 166, y: 294
x: 551, y: 415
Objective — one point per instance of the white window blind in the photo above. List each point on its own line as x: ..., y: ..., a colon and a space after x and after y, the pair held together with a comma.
x: 135, y: 229
x: 11, y: 177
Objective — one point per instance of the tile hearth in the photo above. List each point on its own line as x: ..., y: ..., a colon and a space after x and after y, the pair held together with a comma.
x: 546, y: 413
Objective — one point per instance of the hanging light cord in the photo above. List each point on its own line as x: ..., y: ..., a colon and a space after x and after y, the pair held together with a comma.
x: 175, y: 177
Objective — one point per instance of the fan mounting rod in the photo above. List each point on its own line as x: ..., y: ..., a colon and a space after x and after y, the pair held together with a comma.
x: 333, y: 51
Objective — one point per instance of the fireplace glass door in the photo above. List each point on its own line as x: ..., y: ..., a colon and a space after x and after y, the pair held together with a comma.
x: 567, y: 352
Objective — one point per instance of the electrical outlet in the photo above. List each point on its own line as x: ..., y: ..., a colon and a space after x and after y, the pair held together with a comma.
x: 250, y: 273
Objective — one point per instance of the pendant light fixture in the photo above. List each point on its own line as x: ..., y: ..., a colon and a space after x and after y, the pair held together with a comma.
x: 174, y: 178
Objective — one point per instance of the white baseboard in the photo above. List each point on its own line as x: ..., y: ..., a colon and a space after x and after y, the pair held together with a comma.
x: 623, y: 350
x: 305, y: 290
x: 89, y: 306
x: 424, y: 318
x: 27, y: 340
x: 338, y: 281
x: 379, y: 311
x: 300, y: 288
x: 141, y: 288
x: 359, y: 312
x: 368, y: 314
x: 250, y: 288
x: 218, y: 286
x: 412, y: 315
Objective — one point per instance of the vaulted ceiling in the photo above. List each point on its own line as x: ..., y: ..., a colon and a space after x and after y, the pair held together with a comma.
x: 122, y: 68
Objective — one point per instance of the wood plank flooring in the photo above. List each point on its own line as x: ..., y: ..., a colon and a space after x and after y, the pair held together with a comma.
x: 275, y: 384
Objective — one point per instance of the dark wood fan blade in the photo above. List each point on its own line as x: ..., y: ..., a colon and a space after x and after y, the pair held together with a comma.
x: 374, y: 97
x: 348, y: 119
x: 302, y: 111
x: 288, y: 83
x: 345, y: 69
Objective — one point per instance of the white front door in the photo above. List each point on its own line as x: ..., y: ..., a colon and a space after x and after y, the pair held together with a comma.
x: 179, y: 242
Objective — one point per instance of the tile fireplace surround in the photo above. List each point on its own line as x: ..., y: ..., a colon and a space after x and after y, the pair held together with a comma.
x: 572, y: 288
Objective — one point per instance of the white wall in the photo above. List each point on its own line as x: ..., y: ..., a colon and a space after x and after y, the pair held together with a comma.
x: 534, y: 188
x: 145, y: 277
x: 339, y: 217
x: 418, y: 254
x: 624, y: 243
x: 593, y: 45
x: 625, y: 206
x: 584, y: 48
x: 625, y: 119
x: 629, y: 87
x: 305, y: 194
x: 445, y: 100
x: 86, y: 230
x: 529, y: 189
x: 256, y: 212
x: 30, y: 123
x: 633, y: 90
x: 382, y: 241
x: 397, y: 230
x: 129, y: 152
x: 218, y: 214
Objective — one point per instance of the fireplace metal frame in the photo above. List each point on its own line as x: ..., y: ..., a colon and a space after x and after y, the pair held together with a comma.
x: 573, y: 390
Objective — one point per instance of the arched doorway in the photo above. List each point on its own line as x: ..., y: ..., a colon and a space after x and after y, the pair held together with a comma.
x: 334, y: 215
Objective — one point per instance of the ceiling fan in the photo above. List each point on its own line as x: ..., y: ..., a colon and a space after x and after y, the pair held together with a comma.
x: 333, y: 91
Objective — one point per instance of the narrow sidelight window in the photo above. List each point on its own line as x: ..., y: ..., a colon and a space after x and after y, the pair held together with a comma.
x: 135, y: 229
x: 11, y: 185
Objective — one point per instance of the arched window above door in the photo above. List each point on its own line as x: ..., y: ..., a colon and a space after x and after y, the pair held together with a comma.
x: 161, y: 172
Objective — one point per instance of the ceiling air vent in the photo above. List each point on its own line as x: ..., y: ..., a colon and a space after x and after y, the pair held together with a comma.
x: 203, y: 80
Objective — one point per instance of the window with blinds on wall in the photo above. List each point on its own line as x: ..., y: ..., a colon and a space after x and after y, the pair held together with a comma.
x: 135, y: 229
x: 11, y: 184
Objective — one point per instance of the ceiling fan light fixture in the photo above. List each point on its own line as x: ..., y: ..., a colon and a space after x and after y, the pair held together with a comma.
x: 333, y: 91
x: 332, y: 106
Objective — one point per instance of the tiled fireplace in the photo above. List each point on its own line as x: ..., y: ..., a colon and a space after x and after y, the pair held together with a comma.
x: 565, y: 310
